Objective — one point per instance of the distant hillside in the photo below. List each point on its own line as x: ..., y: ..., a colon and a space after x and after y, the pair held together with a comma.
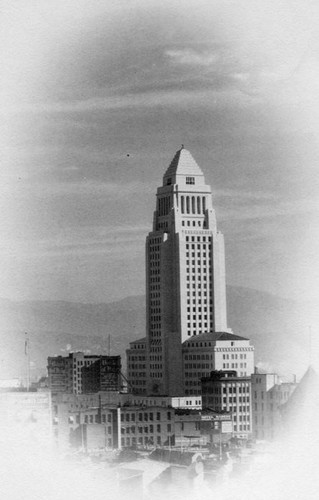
x: 275, y: 326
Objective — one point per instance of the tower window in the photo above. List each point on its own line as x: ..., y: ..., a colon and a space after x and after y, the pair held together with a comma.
x: 190, y: 180
x: 193, y: 205
x: 204, y: 204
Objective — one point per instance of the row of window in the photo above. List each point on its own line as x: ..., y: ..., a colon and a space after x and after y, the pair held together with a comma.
x: 234, y: 365
x: 197, y: 300
x: 139, y: 366
x: 144, y: 430
x: 155, y: 358
x: 235, y: 388
x: 235, y: 356
x: 92, y: 419
x: 155, y: 279
x: 199, y: 254
x: 199, y: 325
x: 193, y: 204
x: 234, y: 399
x: 203, y: 239
x: 143, y: 416
x: 156, y: 366
x: 198, y: 357
x: 164, y: 205
x: 236, y: 409
x: 193, y: 223
x: 242, y: 428
x: 140, y: 441
x: 193, y: 366
x: 162, y: 225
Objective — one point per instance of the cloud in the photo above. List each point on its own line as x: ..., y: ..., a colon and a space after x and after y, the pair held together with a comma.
x: 192, y: 58
x: 245, y: 207
x: 113, y: 241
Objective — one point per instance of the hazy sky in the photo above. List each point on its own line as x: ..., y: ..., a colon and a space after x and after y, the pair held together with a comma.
x: 87, y: 83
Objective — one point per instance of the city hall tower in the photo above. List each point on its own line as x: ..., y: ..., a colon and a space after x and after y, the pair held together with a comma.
x: 185, y: 273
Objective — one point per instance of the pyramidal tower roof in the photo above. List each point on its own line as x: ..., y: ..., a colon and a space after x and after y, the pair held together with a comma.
x: 183, y: 164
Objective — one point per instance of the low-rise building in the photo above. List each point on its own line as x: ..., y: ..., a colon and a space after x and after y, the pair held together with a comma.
x: 187, y: 402
x: 269, y: 393
x: 147, y: 426
x: 202, y: 428
x: 209, y: 352
x: 225, y: 391
x: 80, y: 373
x: 119, y: 420
x: 104, y: 374
x: 201, y: 354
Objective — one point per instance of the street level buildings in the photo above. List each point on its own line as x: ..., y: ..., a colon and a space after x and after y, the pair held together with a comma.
x: 110, y: 420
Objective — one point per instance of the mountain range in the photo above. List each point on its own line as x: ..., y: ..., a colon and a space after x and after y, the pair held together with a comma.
x: 276, y: 326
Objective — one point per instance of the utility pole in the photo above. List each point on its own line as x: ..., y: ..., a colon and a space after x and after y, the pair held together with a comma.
x: 27, y: 354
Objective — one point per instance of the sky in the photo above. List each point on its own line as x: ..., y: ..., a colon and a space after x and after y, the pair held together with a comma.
x: 96, y: 97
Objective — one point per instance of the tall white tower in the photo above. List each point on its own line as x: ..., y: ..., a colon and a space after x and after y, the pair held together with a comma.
x: 185, y: 273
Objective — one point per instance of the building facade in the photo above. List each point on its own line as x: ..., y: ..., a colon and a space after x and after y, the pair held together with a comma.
x: 185, y: 273
x: 225, y: 391
x: 136, y: 366
x: 102, y: 375
x: 269, y: 393
x: 147, y: 426
x: 111, y: 420
x: 209, y: 352
x: 79, y: 373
